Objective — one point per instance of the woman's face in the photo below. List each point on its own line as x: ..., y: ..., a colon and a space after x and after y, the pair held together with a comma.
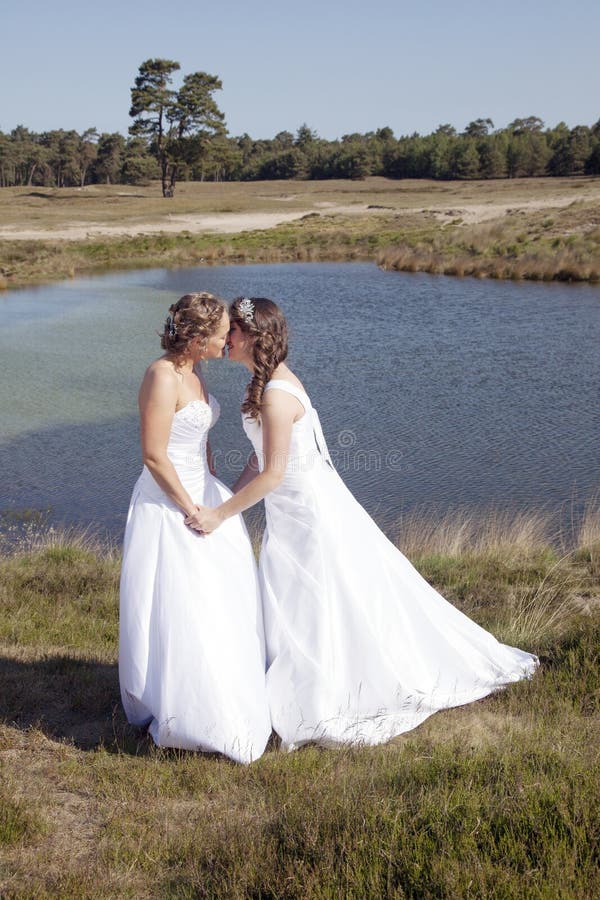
x: 215, y: 345
x: 239, y: 343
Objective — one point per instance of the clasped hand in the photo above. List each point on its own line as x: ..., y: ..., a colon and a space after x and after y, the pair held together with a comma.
x: 204, y: 519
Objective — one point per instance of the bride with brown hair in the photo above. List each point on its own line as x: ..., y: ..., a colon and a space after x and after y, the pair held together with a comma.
x: 359, y: 646
x: 191, y: 650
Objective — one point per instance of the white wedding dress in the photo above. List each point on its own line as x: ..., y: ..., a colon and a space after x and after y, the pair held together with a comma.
x: 359, y: 646
x: 191, y: 648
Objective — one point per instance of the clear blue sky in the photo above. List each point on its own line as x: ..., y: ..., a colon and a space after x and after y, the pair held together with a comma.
x: 339, y: 65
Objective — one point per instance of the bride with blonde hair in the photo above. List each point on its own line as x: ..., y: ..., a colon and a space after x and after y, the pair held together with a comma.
x: 191, y: 649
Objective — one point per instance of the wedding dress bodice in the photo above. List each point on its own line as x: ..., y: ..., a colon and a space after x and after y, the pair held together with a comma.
x: 186, y: 449
x: 189, y: 430
x: 308, y: 450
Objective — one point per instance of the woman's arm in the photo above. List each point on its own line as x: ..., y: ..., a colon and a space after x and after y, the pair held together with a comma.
x: 247, y: 475
x: 157, y: 403
x: 278, y: 413
x: 210, y: 459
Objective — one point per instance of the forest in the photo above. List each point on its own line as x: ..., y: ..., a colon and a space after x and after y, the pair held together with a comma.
x: 181, y: 135
x: 525, y: 148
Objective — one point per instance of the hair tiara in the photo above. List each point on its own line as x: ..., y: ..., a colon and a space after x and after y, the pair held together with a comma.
x: 245, y: 308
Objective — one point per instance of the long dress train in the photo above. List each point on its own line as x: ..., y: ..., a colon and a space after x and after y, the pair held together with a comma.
x: 191, y: 648
x: 359, y: 646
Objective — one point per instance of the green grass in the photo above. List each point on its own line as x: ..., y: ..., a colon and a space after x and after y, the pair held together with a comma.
x: 18, y: 821
x: 494, y: 799
x: 59, y: 596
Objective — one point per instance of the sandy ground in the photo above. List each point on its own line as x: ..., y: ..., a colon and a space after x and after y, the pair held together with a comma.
x: 217, y: 223
x: 473, y: 214
x: 234, y: 223
x: 220, y: 223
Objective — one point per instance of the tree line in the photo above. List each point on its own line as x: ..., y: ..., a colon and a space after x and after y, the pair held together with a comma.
x: 180, y: 134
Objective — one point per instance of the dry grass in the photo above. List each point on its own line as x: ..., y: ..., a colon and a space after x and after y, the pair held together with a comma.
x: 516, y: 571
x: 527, y: 245
x: 495, y: 799
x: 122, y: 204
x: 519, y: 534
x: 589, y: 531
x: 538, y: 614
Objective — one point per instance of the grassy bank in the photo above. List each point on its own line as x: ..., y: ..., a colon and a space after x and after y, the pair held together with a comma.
x: 544, y: 229
x: 37, y: 262
x: 535, y: 247
x: 496, y: 799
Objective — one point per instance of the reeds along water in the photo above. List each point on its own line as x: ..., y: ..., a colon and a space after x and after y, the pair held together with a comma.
x: 514, y: 249
x: 460, y: 531
x: 419, y: 533
x: 515, y: 573
x: 569, y: 267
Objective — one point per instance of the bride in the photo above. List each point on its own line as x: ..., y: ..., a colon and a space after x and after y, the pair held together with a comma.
x: 191, y: 645
x: 359, y: 646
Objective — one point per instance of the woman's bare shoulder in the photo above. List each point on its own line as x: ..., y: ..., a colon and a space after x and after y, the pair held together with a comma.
x: 159, y: 382
x: 290, y: 377
x: 281, y: 402
x: 160, y: 370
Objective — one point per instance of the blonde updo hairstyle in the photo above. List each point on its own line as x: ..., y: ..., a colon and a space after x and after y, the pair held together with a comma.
x: 194, y: 315
x: 266, y: 324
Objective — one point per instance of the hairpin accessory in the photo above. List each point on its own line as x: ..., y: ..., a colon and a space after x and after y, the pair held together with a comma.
x: 246, y: 309
x: 172, y: 327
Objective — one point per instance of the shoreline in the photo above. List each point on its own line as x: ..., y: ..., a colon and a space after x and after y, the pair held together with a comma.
x: 76, y: 260
x: 547, y: 230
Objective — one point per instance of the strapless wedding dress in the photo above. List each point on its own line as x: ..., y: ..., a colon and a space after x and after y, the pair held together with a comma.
x: 359, y: 646
x: 191, y: 650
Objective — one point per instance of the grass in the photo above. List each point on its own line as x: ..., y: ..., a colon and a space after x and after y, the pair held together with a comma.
x: 566, y: 248
x: 544, y: 229
x: 18, y: 820
x: 495, y: 799
x: 121, y: 205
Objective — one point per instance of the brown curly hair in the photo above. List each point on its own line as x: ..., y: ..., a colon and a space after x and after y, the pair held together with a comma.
x: 194, y: 315
x: 268, y: 327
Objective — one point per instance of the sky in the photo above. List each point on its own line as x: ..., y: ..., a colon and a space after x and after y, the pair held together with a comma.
x: 341, y: 66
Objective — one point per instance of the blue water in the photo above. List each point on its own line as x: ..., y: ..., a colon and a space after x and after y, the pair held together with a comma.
x: 431, y: 390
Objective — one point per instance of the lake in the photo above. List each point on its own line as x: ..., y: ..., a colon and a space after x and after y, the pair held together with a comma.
x: 431, y: 390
